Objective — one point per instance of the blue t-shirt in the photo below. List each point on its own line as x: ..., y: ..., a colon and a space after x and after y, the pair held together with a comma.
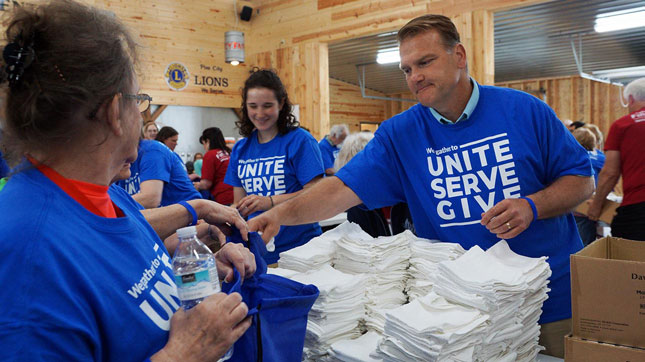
x: 512, y: 145
x: 4, y: 168
x: 281, y: 166
x: 157, y: 162
x: 79, y: 287
x: 328, y: 152
x: 597, y: 158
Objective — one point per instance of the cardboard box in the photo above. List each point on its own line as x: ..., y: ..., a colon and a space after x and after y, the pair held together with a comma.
x: 606, y: 214
x: 608, y: 292
x: 579, y: 350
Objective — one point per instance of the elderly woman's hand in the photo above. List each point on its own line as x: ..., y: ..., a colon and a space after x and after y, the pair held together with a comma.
x: 234, y: 256
x: 207, y: 331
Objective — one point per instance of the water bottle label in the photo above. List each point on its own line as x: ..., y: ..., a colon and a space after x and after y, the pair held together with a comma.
x: 197, y: 285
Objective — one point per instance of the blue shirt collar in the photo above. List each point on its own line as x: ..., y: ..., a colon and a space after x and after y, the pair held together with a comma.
x: 468, y: 111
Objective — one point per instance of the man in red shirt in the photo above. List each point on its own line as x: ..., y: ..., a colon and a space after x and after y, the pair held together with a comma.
x: 625, y: 155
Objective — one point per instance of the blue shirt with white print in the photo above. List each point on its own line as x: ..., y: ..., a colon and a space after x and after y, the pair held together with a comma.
x: 157, y: 162
x: 281, y: 166
x: 512, y: 145
x: 81, y: 287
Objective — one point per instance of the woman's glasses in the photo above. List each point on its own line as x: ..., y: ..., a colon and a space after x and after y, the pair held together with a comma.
x: 143, y: 100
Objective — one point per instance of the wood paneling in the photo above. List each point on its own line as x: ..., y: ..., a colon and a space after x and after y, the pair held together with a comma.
x: 189, y: 32
x: 392, y: 108
x: 577, y: 99
x: 285, y: 23
x: 476, y: 30
x: 347, y: 105
x: 304, y: 71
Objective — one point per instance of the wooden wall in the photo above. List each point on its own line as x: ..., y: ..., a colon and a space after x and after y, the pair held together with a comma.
x: 304, y: 69
x: 392, y: 108
x: 347, y: 105
x: 287, y: 22
x: 577, y: 99
x: 189, y: 32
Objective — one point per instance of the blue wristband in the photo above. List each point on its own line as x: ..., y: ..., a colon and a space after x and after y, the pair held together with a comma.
x: 191, y: 210
x: 535, y: 215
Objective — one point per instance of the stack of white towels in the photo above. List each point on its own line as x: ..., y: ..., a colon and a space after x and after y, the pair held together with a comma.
x: 431, y: 329
x: 425, y: 255
x: 336, y: 313
x: 509, y: 287
x: 319, y: 251
x: 464, y: 305
x: 484, y: 307
x: 384, y: 260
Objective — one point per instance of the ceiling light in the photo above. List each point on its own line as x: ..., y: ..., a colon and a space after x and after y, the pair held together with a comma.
x: 620, y: 20
x: 234, y: 47
x: 630, y: 72
x: 388, y: 56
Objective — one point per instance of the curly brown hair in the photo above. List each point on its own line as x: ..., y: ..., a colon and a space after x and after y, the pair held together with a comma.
x: 267, y: 78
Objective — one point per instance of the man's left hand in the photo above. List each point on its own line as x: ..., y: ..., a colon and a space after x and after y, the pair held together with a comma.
x: 508, y: 218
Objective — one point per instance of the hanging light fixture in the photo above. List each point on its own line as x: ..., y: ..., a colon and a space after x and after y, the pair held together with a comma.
x: 234, y: 43
x: 620, y: 20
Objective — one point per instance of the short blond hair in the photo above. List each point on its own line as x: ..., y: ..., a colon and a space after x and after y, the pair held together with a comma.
x: 597, y: 132
x: 586, y: 138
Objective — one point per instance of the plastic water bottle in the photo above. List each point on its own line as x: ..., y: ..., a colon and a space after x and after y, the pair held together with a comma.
x: 195, y: 271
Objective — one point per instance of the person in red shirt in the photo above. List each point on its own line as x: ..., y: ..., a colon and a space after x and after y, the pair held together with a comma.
x: 214, y: 166
x: 625, y: 155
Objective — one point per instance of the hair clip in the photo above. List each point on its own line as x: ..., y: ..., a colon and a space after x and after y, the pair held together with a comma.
x: 17, y: 58
x: 60, y: 74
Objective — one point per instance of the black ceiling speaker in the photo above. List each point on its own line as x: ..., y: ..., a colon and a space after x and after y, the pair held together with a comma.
x: 246, y: 13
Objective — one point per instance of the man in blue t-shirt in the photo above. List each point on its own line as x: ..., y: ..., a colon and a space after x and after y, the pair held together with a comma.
x: 474, y: 163
x: 330, y: 146
x: 159, y: 177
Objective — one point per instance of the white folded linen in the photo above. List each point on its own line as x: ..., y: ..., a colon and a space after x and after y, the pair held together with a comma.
x: 356, y: 350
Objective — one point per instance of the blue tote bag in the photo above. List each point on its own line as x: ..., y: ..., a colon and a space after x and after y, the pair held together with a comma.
x: 279, y: 307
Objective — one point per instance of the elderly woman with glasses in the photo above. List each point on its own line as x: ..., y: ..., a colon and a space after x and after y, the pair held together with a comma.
x: 85, y: 273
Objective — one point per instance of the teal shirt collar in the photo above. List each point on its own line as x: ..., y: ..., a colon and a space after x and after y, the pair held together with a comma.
x: 468, y: 111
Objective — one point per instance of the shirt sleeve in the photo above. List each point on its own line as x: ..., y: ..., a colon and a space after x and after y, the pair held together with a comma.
x: 231, y: 177
x: 304, y: 156
x: 374, y: 174
x: 209, y: 166
x: 155, y: 166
